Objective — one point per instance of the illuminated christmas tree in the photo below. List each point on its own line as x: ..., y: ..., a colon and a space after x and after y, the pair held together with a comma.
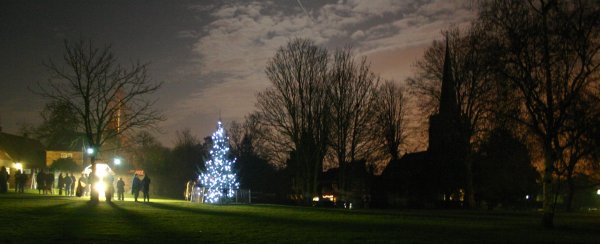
x: 219, y: 180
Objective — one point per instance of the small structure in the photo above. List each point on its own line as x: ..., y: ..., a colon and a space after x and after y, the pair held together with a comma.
x: 103, y: 172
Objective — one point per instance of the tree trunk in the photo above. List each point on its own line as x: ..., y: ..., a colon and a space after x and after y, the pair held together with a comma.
x: 548, y: 204
x: 94, y: 197
x: 570, y: 193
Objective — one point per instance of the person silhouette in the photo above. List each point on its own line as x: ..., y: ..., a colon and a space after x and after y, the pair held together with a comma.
x: 146, y: 188
x: 120, y: 189
x: 135, y: 187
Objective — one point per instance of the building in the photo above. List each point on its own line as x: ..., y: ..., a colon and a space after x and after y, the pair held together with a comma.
x: 437, y: 176
x: 26, y: 152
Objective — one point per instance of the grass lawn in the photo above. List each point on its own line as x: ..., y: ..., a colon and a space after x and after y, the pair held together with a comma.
x: 35, y: 218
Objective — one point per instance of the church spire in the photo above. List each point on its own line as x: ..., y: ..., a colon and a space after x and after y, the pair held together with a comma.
x: 448, y: 101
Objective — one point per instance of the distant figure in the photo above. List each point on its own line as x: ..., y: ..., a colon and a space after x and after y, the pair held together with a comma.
x: 68, y: 184
x: 146, y: 188
x: 50, y: 182
x: 61, y: 183
x: 87, y: 184
x: 136, y: 184
x: 110, y: 187
x: 80, y: 186
x: 22, y: 179
x: 3, y: 180
x: 40, y: 179
x: 189, y: 188
x: 120, y: 189
x: 17, y: 180
x: 73, y: 184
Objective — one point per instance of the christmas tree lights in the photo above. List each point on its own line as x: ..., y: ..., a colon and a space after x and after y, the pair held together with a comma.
x: 219, y: 180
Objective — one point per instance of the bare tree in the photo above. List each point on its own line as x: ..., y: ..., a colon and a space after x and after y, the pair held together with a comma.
x: 352, y: 95
x: 548, y: 52
x: 295, y: 111
x: 108, y: 98
x: 390, y: 124
x: 579, y: 147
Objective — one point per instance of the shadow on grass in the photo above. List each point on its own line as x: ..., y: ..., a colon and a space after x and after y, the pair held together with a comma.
x: 145, y: 226
x: 283, y: 220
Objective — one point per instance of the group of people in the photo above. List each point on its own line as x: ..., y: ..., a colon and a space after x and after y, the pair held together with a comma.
x: 43, y: 181
x: 138, y: 185
x: 66, y: 183
x: 20, y: 180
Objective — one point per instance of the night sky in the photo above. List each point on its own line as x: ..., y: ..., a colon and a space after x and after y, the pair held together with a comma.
x: 210, y: 55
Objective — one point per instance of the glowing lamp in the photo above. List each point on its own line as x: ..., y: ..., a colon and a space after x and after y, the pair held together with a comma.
x: 100, y: 187
x: 117, y: 161
x: 90, y: 151
x: 315, y: 199
x: 598, y: 192
x: 19, y: 166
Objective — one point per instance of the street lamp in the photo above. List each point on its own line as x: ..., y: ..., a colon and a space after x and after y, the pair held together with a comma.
x: 117, y: 161
x: 90, y: 151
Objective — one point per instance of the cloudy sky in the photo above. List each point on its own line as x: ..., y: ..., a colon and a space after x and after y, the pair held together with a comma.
x: 210, y: 55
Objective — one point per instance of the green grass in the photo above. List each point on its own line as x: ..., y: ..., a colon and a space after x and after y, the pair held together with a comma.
x: 28, y: 218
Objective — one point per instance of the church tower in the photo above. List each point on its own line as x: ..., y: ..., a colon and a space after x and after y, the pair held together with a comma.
x: 446, y: 145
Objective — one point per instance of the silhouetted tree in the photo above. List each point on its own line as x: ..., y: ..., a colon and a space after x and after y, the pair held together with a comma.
x: 296, y: 111
x: 547, y: 52
x: 107, y: 98
x: 389, y: 126
x: 187, y: 158
x: 59, y: 128
x: 352, y: 97
x: 65, y: 165
x: 151, y: 156
x: 504, y: 170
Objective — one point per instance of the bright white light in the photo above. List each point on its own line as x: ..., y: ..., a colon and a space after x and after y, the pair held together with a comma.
x: 598, y: 192
x: 19, y: 166
x: 315, y: 199
x: 117, y: 161
x: 527, y: 197
x: 102, y: 170
x: 90, y: 151
x: 100, y: 187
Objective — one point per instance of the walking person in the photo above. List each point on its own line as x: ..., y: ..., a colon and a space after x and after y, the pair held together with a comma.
x: 146, y: 188
x: 135, y: 187
x: 120, y: 189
